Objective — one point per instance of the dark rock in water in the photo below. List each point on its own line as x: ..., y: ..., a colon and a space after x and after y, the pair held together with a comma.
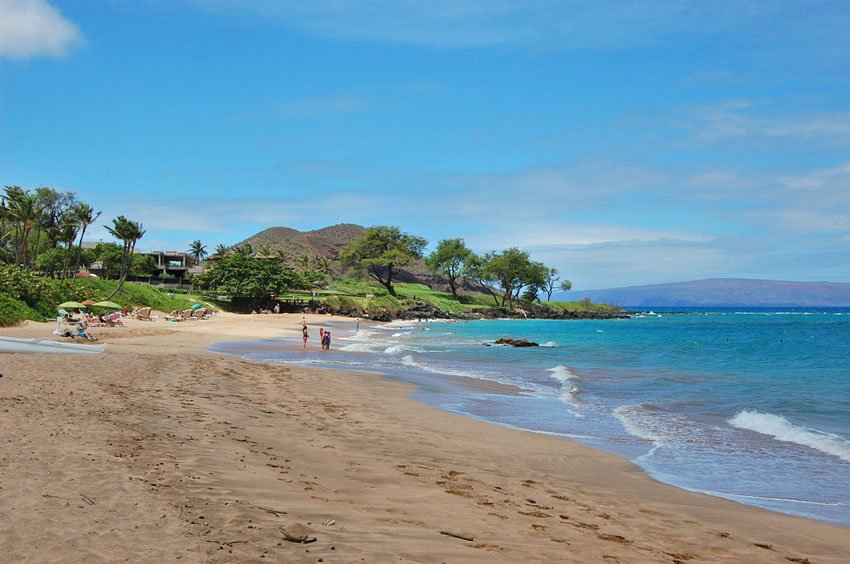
x: 516, y: 342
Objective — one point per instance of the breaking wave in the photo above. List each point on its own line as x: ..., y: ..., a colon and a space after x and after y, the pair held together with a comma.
x: 781, y: 429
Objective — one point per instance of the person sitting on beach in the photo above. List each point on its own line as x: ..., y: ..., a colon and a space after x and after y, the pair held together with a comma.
x: 81, y: 331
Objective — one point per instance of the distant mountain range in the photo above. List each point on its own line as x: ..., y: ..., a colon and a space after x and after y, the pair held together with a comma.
x: 721, y: 292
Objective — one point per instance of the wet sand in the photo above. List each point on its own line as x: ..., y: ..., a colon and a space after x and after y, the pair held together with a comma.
x: 160, y: 450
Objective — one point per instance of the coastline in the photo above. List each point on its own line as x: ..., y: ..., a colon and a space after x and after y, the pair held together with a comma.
x: 161, y: 449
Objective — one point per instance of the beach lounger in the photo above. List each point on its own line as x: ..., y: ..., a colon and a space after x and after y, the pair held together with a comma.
x: 144, y: 314
x: 187, y: 314
x: 67, y: 316
x: 201, y: 313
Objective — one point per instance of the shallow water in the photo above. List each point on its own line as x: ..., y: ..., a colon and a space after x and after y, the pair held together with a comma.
x: 749, y: 405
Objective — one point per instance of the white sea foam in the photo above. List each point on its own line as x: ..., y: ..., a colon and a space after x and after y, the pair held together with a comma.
x: 637, y: 421
x: 562, y: 374
x: 551, y: 344
x: 362, y: 347
x: 408, y: 360
x: 398, y: 349
x: 783, y: 430
x: 397, y: 324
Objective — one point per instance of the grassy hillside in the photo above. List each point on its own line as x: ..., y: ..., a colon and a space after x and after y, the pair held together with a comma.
x: 348, y: 294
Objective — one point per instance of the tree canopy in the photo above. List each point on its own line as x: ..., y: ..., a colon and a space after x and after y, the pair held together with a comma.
x: 449, y: 258
x: 381, y: 251
x: 241, y: 275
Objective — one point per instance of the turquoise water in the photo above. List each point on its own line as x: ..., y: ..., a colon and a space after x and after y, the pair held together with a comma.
x: 753, y: 406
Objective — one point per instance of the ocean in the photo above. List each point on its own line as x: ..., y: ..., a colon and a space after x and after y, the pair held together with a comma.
x: 752, y: 405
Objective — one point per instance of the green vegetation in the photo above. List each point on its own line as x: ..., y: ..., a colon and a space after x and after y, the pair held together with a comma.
x: 240, y: 275
x: 41, y: 252
x: 449, y: 258
x: 28, y: 296
x: 381, y: 251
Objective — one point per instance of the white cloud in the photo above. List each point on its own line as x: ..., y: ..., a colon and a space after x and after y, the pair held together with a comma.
x: 31, y: 28
x: 748, y: 120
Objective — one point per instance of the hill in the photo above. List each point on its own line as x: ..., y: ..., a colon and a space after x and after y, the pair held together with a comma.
x: 327, y: 242
x: 722, y: 292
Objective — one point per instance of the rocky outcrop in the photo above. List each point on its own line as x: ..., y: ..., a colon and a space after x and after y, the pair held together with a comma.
x: 516, y: 342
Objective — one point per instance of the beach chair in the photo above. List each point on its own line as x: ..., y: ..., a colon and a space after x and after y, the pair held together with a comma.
x: 144, y: 314
x: 187, y: 314
x: 200, y: 313
x: 67, y: 316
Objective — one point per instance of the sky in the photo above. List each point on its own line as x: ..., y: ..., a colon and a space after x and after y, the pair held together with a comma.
x: 623, y: 142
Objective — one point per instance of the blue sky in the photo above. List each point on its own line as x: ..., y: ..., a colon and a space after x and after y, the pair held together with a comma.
x: 624, y: 142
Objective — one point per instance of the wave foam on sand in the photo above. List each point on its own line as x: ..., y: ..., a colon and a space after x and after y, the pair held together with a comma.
x: 781, y: 429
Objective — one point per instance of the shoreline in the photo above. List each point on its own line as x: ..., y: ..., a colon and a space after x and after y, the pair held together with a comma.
x: 178, y: 446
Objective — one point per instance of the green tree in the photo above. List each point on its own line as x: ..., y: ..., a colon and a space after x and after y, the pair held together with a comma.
x: 67, y: 235
x: 566, y: 286
x: 110, y: 257
x: 240, y: 275
x: 550, y: 282
x: 85, y: 216
x: 128, y: 232
x: 304, y: 262
x: 381, y: 252
x: 514, y: 270
x: 479, y: 269
x: 322, y: 264
x: 449, y: 258
x: 198, y: 250
x: 221, y: 251
x: 24, y: 211
x: 282, y: 255
x: 265, y: 251
x: 57, y: 213
x: 51, y: 262
x: 245, y: 249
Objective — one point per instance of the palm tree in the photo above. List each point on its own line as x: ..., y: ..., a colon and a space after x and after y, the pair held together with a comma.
x: 67, y: 234
x: 282, y: 255
x: 245, y: 249
x: 304, y: 262
x: 265, y: 251
x: 129, y: 232
x: 219, y: 253
x: 322, y: 264
x: 25, y: 212
x: 198, y: 250
x: 85, y: 216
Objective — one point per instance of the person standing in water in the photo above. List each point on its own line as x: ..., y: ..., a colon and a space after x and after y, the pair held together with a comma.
x: 304, y: 335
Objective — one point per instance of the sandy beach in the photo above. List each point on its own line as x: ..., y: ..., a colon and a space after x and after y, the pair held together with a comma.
x: 160, y: 450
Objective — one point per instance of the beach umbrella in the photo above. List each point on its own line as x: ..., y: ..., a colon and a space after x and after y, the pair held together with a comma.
x: 108, y: 305
x: 196, y: 306
x: 72, y: 305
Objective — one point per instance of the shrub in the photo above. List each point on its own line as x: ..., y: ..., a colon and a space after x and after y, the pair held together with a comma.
x: 13, y: 312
